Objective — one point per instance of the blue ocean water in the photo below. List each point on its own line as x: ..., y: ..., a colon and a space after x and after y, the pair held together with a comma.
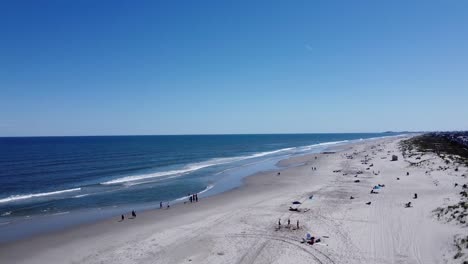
x: 54, y: 175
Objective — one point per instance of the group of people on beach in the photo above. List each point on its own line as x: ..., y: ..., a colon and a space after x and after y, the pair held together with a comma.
x: 193, y: 197
x: 161, y: 205
x: 122, y: 217
x: 289, y: 223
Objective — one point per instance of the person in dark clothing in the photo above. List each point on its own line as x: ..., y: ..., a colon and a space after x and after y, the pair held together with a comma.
x: 297, y: 224
x: 160, y: 205
x: 122, y: 217
x: 133, y: 214
x: 415, y: 196
x: 196, y: 197
x: 191, y: 199
x: 311, y: 241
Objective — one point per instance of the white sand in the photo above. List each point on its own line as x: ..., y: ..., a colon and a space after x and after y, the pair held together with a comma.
x: 239, y: 226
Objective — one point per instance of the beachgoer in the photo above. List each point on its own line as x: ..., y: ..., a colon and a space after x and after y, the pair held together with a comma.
x: 160, y: 205
x: 289, y: 222
x: 415, y: 196
x: 351, y: 197
x: 279, y: 223
x: 297, y: 224
x: 191, y: 199
x: 122, y: 217
x: 133, y: 214
x: 407, y: 173
x: 196, y: 197
x: 168, y: 206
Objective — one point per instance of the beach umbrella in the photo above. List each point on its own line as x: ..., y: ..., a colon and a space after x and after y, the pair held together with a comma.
x: 296, y: 202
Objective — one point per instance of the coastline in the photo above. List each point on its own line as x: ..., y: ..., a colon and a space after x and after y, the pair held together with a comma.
x: 240, y: 224
x: 21, y: 228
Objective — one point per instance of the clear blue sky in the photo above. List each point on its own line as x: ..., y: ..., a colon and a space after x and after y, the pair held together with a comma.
x: 201, y: 67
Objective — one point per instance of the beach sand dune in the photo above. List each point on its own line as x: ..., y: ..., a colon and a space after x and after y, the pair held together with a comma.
x: 241, y: 226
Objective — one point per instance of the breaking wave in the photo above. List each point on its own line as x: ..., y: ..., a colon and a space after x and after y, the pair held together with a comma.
x: 193, y: 167
x: 34, y: 195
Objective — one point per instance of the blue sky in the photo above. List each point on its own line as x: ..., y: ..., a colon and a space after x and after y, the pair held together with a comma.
x: 202, y: 67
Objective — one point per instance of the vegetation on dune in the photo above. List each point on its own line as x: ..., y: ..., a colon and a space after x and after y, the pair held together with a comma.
x: 453, y: 150
x: 447, y: 149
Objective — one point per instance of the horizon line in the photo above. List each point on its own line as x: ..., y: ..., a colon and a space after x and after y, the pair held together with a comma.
x: 219, y: 134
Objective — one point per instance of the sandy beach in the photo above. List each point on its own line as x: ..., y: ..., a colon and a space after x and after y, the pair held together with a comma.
x: 241, y: 226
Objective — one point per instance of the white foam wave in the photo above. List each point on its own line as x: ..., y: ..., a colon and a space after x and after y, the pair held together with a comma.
x: 6, y: 213
x: 61, y: 213
x: 192, y: 167
x: 28, y: 196
x: 136, y: 179
x: 81, y: 195
x: 209, y: 187
x: 150, y: 175
x: 310, y: 147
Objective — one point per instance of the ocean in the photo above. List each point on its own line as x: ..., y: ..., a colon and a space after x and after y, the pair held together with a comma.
x: 54, y: 176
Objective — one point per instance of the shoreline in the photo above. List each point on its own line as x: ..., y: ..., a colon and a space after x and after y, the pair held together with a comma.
x: 82, y: 217
x: 113, y: 213
x: 240, y: 224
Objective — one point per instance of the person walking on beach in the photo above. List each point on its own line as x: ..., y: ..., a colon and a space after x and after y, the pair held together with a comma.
x: 133, y: 214
x: 297, y: 224
x: 289, y: 222
x: 122, y: 217
x: 279, y: 223
x: 160, y: 205
x: 168, y: 206
x: 196, y: 197
x: 191, y: 199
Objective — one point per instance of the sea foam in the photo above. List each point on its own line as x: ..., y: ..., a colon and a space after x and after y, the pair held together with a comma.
x: 13, y: 198
x: 193, y: 167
